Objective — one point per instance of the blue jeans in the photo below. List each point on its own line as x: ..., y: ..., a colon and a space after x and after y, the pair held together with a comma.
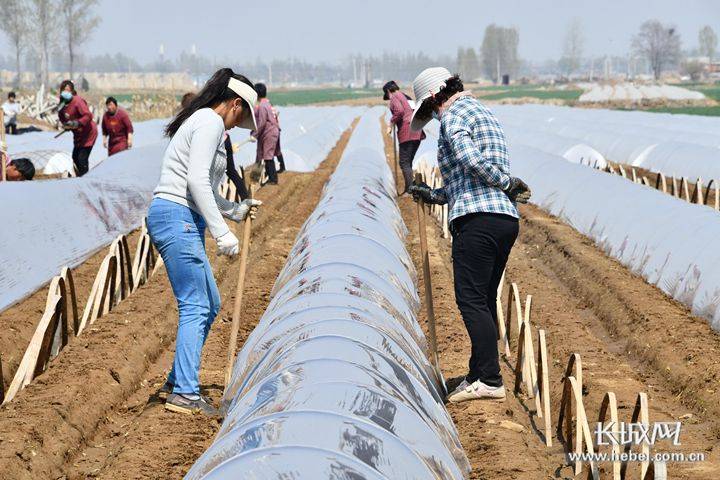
x: 179, y: 235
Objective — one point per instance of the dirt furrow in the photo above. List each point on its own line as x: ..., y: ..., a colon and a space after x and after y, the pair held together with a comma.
x: 142, y: 440
x: 93, y: 412
x: 631, y: 338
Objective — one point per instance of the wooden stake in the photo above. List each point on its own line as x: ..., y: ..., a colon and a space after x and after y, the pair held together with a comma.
x: 609, y: 403
x: 2, y: 384
x: 544, y: 385
x: 428, y: 282
x: 232, y: 345
x: 686, y: 190
x: 640, y: 415
x: 698, y: 194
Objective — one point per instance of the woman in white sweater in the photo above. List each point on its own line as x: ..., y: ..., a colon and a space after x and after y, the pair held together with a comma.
x: 185, y: 202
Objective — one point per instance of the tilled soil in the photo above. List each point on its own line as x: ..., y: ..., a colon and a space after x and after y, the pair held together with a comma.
x: 631, y: 338
x: 95, y: 414
x: 20, y: 320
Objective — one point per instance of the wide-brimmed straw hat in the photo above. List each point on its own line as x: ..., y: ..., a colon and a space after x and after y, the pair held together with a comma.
x: 428, y: 83
x: 247, y: 93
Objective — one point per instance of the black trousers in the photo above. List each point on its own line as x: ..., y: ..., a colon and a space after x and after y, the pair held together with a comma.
x: 281, y: 161
x: 406, y: 154
x: 480, y: 249
x: 11, y: 129
x: 81, y: 157
x: 271, y: 171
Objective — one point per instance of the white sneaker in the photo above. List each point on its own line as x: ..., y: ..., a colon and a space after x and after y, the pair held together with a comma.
x: 476, y: 391
x: 462, y: 386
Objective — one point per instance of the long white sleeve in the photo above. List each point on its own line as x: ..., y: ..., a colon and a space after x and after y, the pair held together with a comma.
x: 193, y: 168
x: 203, y: 151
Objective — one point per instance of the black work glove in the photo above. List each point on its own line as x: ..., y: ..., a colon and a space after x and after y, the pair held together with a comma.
x: 71, y: 125
x: 518, y: 191
x: 422, y: 191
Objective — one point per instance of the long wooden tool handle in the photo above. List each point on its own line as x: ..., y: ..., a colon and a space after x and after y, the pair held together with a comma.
x: 430, y: 306
x: 395, y: 158
x: 235, y: 328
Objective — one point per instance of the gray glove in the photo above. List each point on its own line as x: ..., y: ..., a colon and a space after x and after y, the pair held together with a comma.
x: 518, y: 191
x: 247, y: 207
x: 422, y: 191
x: 71, y: 125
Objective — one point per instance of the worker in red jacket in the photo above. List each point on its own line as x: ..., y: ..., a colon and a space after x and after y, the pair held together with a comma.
x: 117, y: 129
x: 75, y: 115
x: 267, y: 134
x: 408, y: 140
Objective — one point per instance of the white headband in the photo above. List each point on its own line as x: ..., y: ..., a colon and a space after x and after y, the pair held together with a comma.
x: 245, y: 91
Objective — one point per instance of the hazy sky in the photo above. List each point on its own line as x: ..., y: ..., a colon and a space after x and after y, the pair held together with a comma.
x: 329, y: 30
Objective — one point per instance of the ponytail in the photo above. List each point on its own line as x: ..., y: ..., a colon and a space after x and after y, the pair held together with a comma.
x: 214, y: 92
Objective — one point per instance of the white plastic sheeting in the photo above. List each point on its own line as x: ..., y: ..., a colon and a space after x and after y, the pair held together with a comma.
x: 665, y: 241
x: 307, y: 137
x: 146, y: 133
x: 335, y: 381
x: 635, y: 93
x: 54, y: 223
x: 568, y: 148
x: 49, y: 162
x: 678, y: 145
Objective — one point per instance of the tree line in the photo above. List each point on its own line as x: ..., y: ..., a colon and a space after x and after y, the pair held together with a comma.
x: 38, y: 30
x: 49, y: 34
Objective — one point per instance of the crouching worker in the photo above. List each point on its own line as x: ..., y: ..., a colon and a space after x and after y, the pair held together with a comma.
x: 481, y: 196
x: 18, y: 169
x: 185, y: 202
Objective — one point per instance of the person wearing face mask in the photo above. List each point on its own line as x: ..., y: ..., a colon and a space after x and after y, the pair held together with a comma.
x: 186, y: 202
x: 482, y: 196
x: 75, y: 116
x: 117, y: 129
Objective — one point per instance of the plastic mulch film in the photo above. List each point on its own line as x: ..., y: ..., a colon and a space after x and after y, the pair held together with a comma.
x: 665, y: 240
x: 335, y: 380
x: 55, y: 223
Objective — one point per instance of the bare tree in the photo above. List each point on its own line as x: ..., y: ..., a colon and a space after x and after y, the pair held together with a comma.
x: 572, y: 47
x: 659, y: 43
x: 708, y: 40
x: 79, y: 23
x: 468, y: 65
x: 13, y: 21
x: 43, y: 18
x: 499, y: 51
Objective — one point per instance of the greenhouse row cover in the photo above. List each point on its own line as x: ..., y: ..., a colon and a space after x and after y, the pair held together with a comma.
x: 653, y: 234
x: 51, y: 155
x: 675, y: 145
x: 308, y: 134
x: 57, y: 223
x: 61, y: 222
x: 335, y: 381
